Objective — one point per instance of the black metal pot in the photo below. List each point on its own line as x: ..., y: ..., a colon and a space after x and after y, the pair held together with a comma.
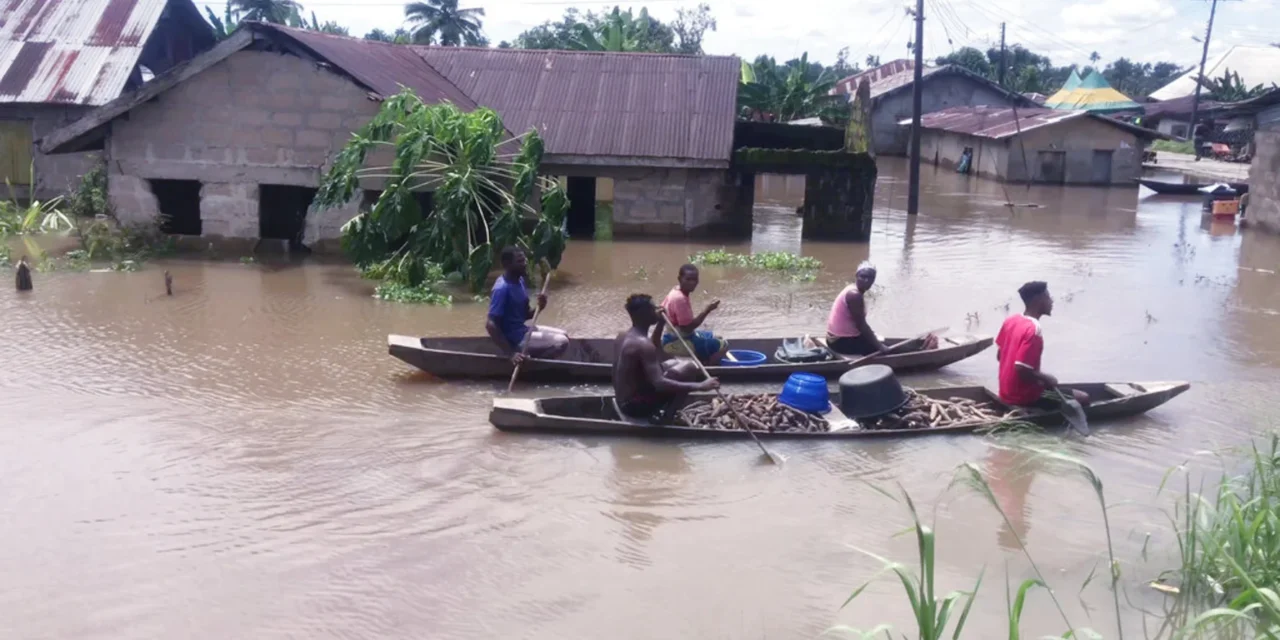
x: 870, y: 391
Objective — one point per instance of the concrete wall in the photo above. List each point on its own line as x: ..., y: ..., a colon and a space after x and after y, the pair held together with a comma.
x: 1264, y: 187
x: 55, y: 175
x: 668, y: 202
x: 939, y: 93
x: 990, y: 157
x: 254, y: 118
x: 1078, y: 139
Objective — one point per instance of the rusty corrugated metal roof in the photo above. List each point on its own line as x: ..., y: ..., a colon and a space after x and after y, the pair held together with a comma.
x: 71, y: 51
x: 849, y: 85
x: 380, y: 66
x: 1000, y: 122
x: 604, y: 104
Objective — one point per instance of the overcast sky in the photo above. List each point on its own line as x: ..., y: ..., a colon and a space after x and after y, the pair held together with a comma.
x: 1145, y: 30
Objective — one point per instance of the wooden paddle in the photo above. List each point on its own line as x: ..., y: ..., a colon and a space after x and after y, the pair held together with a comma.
x: 767, y: 457
x: 533, y: 325
x: 896, y: 347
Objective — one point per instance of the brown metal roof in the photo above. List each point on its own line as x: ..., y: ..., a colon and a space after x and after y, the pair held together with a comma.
x: 604, y: 104
x: 849, y: 85
x: 72, y: 51
x: 380, y: 66
x: 999, y: 122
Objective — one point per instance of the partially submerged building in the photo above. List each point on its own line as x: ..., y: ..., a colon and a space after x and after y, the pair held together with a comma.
x: 234, y: 143
x: 1264, y: 172
x: 943, y: 87
x: 1040, y: 145
x: 61, y: 58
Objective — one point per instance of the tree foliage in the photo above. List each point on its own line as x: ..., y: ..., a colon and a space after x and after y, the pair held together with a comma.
x: 226, y: 25
x: 1026, y: 71
x: 273, y: 11
x: 615, y: 30
x: 399, y: 36
x: 797, y: 89
x: 481, y: 188
x: 690, y: 26
x: 1230, y: 88
x: 442, y: 22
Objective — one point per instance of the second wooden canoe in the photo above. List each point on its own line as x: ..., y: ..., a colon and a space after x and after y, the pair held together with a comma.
x: 591, y: 359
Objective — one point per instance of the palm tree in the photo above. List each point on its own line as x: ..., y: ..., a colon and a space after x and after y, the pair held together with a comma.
x: 443, y: 21
x: 274, y: 11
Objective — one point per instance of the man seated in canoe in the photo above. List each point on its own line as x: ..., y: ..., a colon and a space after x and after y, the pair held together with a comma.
x: 847, y: 330
x: 1019, y: 346
x: 643, y: 383
x: 709, y: 348
x: 509, y: 310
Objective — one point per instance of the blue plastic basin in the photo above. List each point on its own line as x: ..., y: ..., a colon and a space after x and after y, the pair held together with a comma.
x: 744, y: 357
x: 806, y: 392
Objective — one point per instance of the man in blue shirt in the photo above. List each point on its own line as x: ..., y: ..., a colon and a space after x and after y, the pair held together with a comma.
x: 509, y: 310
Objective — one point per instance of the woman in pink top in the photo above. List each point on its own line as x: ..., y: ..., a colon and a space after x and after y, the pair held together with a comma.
x: 707, y: 347
x: 847, y: 329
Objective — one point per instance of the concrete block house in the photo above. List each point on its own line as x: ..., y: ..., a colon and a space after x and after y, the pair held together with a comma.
x: 943, y: 87
x: 1054, y: 146
x: 61, y: 58
x: 233, y: 144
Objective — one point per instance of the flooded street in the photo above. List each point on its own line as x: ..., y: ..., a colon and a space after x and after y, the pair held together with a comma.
x: 244, y: 460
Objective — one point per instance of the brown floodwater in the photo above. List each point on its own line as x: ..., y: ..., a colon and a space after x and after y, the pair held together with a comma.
x: 243, y: 460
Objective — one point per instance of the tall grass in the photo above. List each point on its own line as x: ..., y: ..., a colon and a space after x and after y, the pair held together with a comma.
x: 1229, y: 545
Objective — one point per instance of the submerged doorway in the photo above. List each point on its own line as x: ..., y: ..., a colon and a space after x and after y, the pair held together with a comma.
x: 282, y: 212
x: 179, y: 203
x: 581, y: 217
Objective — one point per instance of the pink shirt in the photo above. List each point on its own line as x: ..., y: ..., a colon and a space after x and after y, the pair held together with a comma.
x: 679, y: 308
x: 840, y: 322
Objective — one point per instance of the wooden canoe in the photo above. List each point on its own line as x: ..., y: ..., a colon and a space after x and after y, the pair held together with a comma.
x: 1187, y: 189
x: 591, y: 359
x: 595, y: 415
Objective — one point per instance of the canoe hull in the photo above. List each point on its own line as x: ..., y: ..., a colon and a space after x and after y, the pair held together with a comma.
x: 593, y: 415
x: 1190, y: 189
x: 591, y: 359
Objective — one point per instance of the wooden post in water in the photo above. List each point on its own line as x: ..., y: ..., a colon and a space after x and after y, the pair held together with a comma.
x: 168, y: 283
x: 23, y: 278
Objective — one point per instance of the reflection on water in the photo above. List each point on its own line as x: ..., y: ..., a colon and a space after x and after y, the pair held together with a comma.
x: 244, y: 460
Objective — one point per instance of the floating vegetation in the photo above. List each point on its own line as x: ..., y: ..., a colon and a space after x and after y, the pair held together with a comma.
x: 801, y: 268
x: 414, y: 294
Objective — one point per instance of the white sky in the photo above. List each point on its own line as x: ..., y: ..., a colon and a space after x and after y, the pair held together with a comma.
x: 1067, y: 31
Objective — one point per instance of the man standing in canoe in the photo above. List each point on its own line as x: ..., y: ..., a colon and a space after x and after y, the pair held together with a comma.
x: 847, y: 330
x: 509, y: 310
x: 709, y: 348
x: 1019, y: 346
x: 643, y: 384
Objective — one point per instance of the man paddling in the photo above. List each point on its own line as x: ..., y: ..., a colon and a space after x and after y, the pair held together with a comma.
x: 1019, y: 346
x: 847, y: 330
x: 509, y: 310
x: 644, y: 385
x: 709, y: 348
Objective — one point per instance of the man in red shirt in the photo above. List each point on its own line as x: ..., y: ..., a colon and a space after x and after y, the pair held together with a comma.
x: 1019, y: 346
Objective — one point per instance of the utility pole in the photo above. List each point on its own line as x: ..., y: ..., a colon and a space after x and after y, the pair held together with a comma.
x: 1195, y: 100
x: 917, y: 97
x: 1002, y: 65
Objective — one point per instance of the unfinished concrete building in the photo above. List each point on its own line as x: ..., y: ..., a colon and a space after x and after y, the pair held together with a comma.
x: 61, y: 58
x: 233, y: 144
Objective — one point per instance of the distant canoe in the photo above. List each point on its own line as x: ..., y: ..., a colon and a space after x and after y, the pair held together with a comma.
x: 596, y: 416
x: 591, y: 359
x: 1192, y: 189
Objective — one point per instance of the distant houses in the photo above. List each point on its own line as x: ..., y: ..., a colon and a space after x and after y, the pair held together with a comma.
x: 1048, y: 146
x: 943, y: 88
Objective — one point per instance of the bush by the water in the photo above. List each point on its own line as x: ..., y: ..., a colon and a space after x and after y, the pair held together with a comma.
x: 1174, y: 146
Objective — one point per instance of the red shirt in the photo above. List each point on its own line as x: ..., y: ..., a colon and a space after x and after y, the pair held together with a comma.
x: 1019, y: 342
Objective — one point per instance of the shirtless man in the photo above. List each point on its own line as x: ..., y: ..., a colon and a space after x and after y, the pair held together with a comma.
x: 643, y: 384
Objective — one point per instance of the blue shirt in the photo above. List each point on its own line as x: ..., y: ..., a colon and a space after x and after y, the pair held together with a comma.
x: 509, y: 308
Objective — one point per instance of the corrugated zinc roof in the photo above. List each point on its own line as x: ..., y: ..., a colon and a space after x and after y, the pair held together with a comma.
x: 1256, y: 66
x: 380, y: 66
x: 872, y: 76
x: 999, y: 123
x: 604, y: 104
x: 71, y: 51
